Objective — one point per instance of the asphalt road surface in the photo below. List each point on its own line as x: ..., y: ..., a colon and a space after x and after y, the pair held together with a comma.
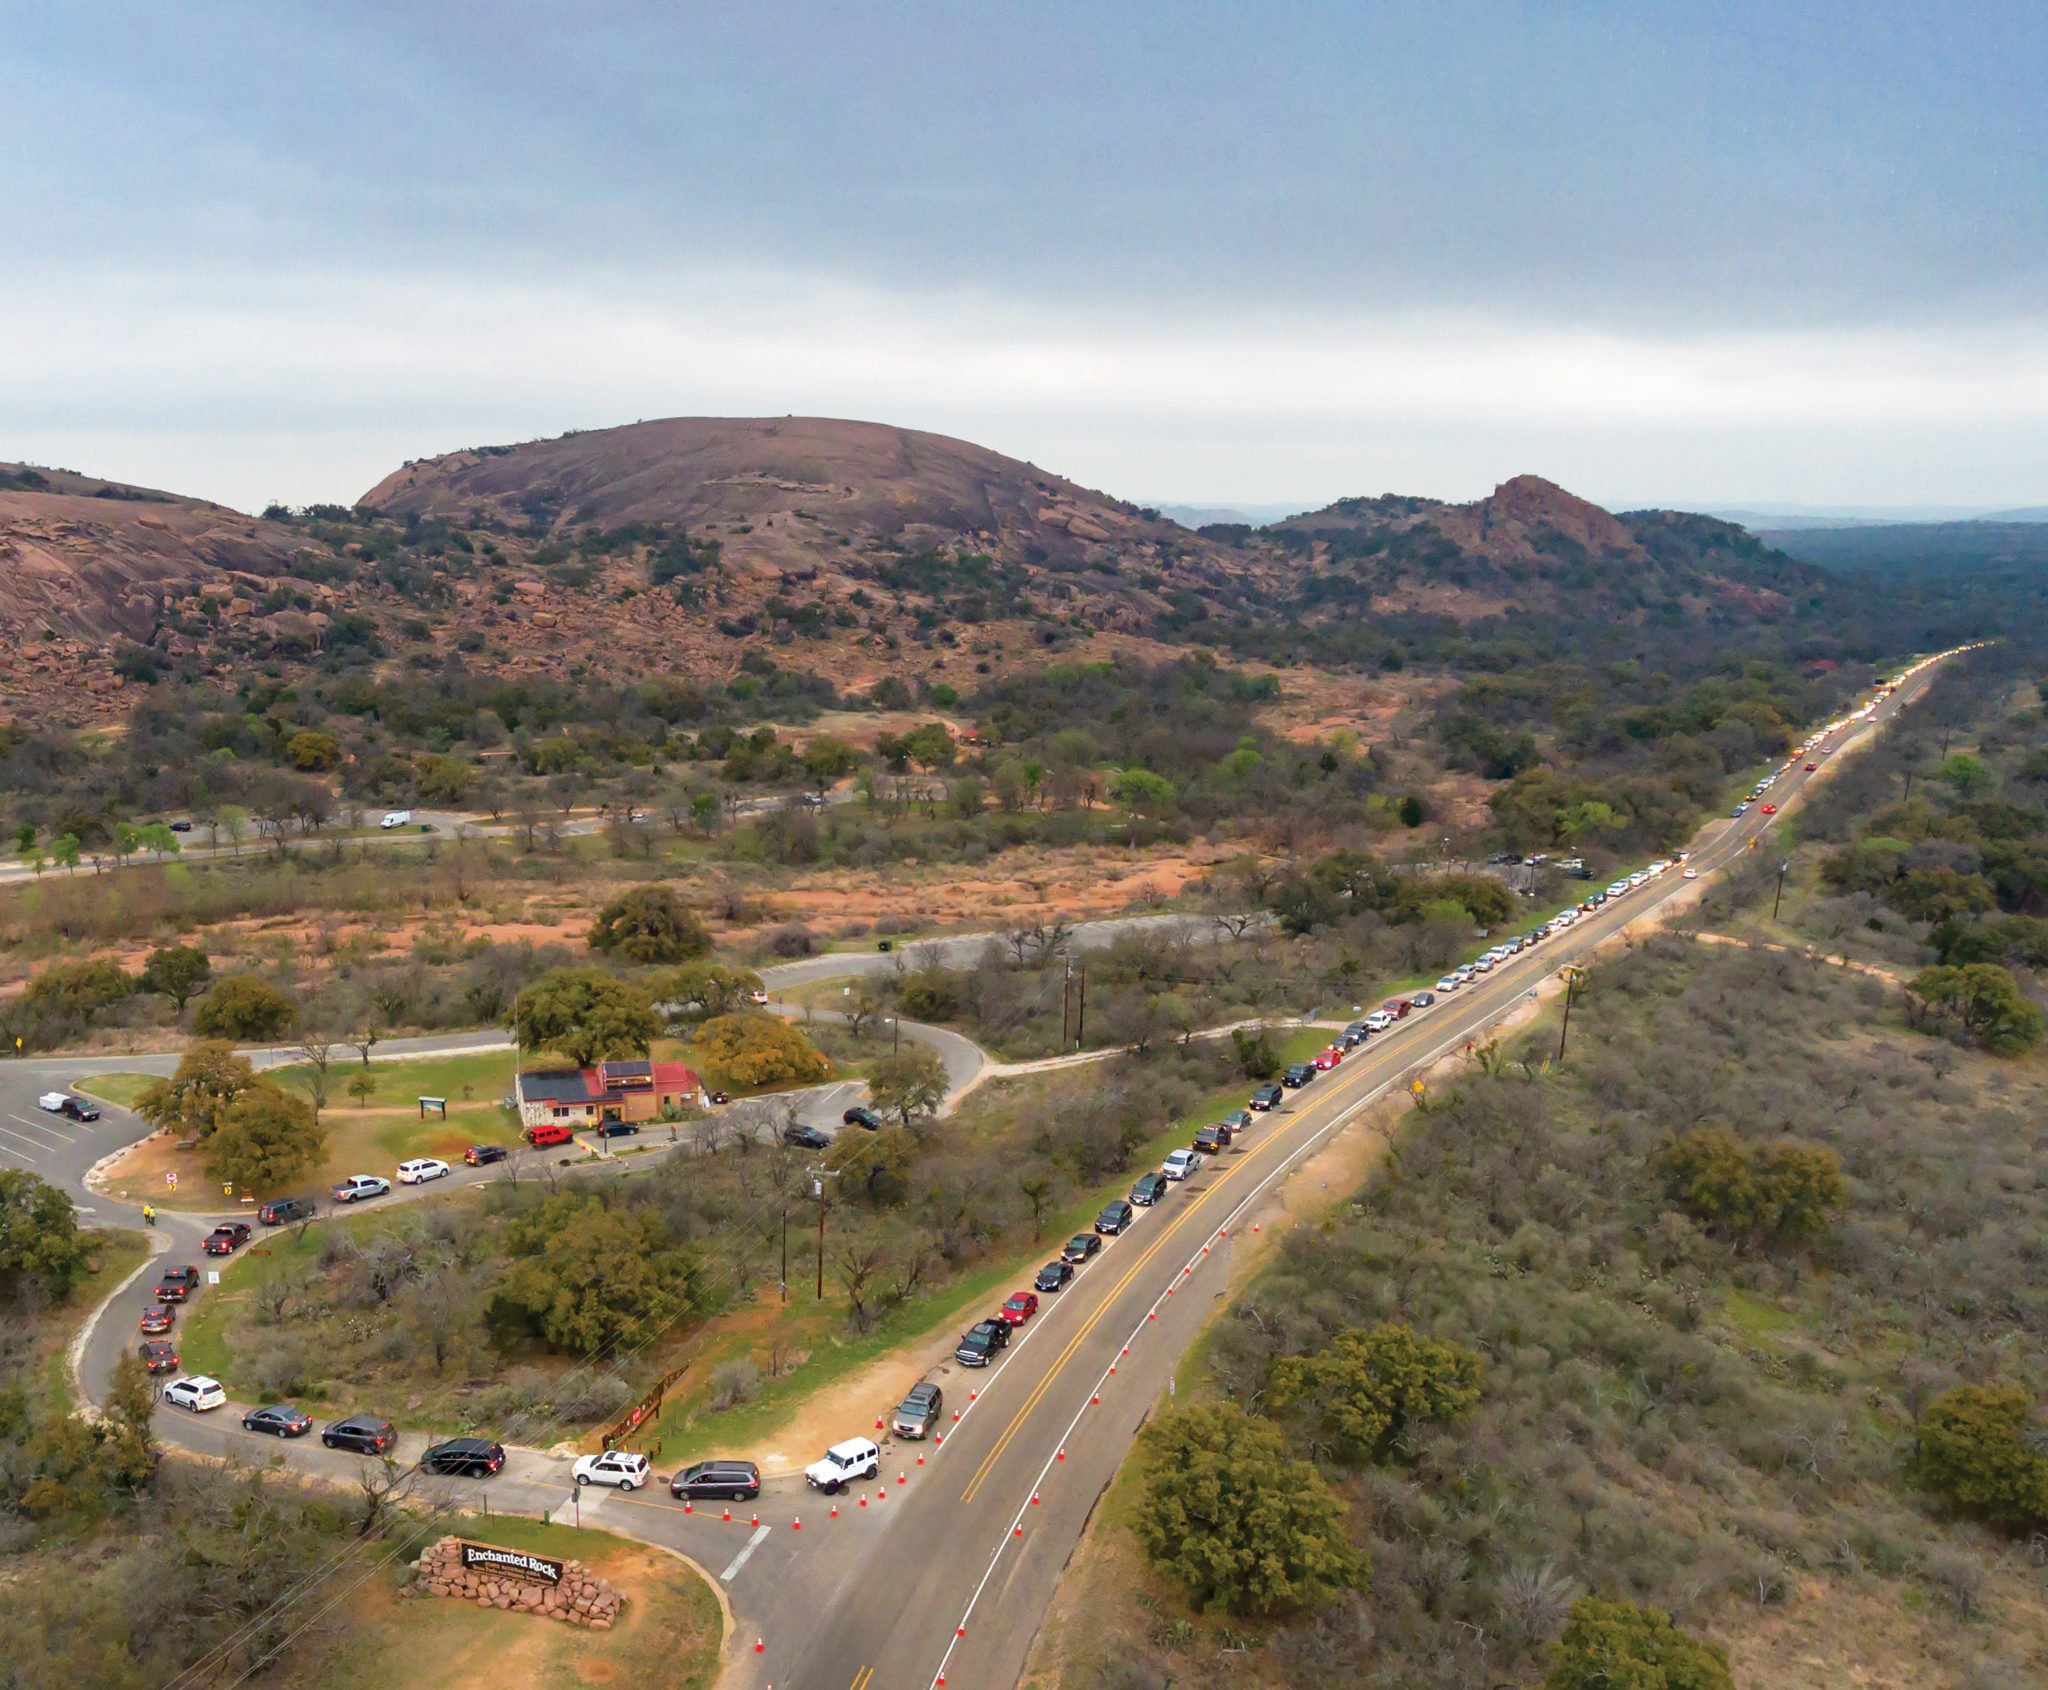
x: 947, y: 1565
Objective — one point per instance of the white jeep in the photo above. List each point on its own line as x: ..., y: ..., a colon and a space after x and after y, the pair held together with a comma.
x: 857, y: 1458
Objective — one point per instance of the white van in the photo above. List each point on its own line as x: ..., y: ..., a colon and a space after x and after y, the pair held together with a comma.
x: 396, y: 818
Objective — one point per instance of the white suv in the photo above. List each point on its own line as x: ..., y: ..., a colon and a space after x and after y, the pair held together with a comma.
x: 857, y: 1458
x: 197, y: 1392
x: 421, y: 1169
x: 615, y: 1467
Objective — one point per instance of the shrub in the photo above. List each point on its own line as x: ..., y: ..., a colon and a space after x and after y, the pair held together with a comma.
x: 649, y: 924
x: 586, y: 1014
x: 1975, y: 1453
x: 1368, y: 1387
x: 732, y: 1383
x: 758, y: 1050
x: 1246, y: 1527
x: 1619, y: 1646
x: 242, y: 1006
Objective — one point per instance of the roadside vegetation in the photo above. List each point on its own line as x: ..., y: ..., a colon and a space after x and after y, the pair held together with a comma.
x: 1714, y: 1360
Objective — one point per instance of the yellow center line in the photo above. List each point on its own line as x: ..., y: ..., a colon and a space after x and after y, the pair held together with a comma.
x: 1052, y: 1373
x: 862, y: 1679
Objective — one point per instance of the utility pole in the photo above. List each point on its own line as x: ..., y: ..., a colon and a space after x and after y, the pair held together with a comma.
x: 1782, y: 869
x: 1067, y: 1004
x: 784, y: 1282
x: 1573, y: 974
x: 1081, y: 1010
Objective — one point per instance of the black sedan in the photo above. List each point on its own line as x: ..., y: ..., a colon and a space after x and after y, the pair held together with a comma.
x: 1054, y: 1276
x: 805, y: 1138
x: 280, y: 1420
x: 1080, y: 1247
x: 617, y: 1129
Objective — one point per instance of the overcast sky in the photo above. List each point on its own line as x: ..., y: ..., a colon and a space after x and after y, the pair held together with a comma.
x: 1664, y: 253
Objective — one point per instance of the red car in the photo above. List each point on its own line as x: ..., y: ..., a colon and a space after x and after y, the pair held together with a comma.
x: 1397, y: 1007
x: 159, y: 1355
x: 1018, y: 1309
x: 1810, y: 767
x: 1329, y: 1057
x: 1770, y: 809
x: 157, y: 1318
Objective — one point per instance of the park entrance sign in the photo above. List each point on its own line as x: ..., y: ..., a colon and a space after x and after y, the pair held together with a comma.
x: 514, y: 1563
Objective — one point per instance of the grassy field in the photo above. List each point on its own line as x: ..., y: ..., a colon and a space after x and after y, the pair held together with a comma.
x: 116, y: 1254
x: 670, y: 1631
x: 119, y: 1089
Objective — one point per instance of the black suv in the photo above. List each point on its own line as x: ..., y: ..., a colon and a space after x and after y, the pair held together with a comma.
x: 858, y: 1116
x: 279, y: 1210
x: 1149, y: 1189
x: 1054, y: 1276
x: 363, y: 1433
x: 79, y: 1109
x: 978, y: 1347
x: 1267, y: 1097
x: 735, y: 1481
x: 920, y: 1411
x: 805, y: 1138
x: 1301, y: 1074
x: 470, y: 1458
x: 1116, y: 1215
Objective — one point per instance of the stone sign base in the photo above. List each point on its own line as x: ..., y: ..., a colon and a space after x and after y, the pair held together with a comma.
x: 582, y: 1598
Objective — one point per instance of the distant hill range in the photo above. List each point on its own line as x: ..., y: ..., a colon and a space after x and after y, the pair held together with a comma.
x: 1532, y: 546
x: 847, y: 550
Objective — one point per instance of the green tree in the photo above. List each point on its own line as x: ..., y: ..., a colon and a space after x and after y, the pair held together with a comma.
x: 1975, y: 1452
x: 1802, y: 1188
x: 244, y: 1006
x: 1708, y: 1174
x: 827, y: 759
x: 877, y: 1163
x: 40, y: 1244
x: 1968, y: 773
x: 649, y: 924
x: 158, y: 839
x: 586, y: 1274
x: 742, y: 1051
x: 1369, y: 1387
x: 909, y: 1084
x: 586, y: 1014
x: 1619, y: 1646
x: 266, y: 1139
x: 313, y: 751
x: 1985, y: 1001
x: 78, y: 991
x: 1410, y: 811
x: 209, y: 1079
x: 1144, y: 793
x: 1236, y: 1519
x: 64, y: 851
x: 699, y: 990
x: 704, y: 812
x: 179, y: 972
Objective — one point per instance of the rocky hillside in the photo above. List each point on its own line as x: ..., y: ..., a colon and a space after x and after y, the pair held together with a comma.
x: 850, y: 553
x: 87, y: 565
x: 778, y: 491
x: 1532, y: 546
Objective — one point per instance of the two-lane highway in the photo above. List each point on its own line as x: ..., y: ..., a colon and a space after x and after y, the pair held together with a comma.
x: 959, y: 1581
